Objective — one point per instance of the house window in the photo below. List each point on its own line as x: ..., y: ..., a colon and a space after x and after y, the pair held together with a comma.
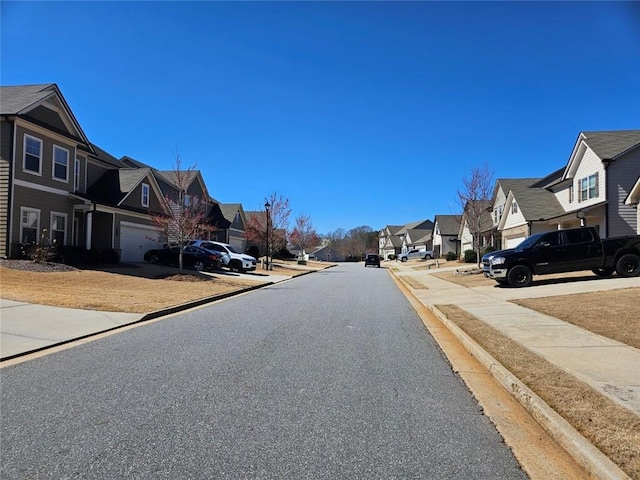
x: 589, y: 187
x: 60, y: 163
x: 514, y: 207
x: 58, y: 228
x: 29, y: 225
x: 145, y: 195
x: 32, y: 154
x: 76, y: 175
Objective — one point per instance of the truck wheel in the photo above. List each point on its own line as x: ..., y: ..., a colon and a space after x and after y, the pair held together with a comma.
x: 628, y: 265
x: 519, y: 276
x: 603, y: 272
x: 404, y: 259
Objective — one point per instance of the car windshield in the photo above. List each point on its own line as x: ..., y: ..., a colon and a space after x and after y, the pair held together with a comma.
x: 231, y: 249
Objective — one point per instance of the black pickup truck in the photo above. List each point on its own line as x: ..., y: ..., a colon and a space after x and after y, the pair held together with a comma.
x: 561, y: 251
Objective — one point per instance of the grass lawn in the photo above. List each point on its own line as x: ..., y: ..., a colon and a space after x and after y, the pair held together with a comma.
x: 612, y: 428
x: 137, y: 288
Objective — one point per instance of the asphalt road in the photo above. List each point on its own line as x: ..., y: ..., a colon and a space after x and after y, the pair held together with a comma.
x: 330, y: 375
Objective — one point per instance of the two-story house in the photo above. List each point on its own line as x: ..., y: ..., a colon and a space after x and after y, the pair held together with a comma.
x: 52, y: 184
x: 592, y: 189
x: 55, y: 183
x: 390, y: 241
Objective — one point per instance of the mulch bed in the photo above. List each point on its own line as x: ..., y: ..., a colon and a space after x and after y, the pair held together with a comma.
x: 31, y: 266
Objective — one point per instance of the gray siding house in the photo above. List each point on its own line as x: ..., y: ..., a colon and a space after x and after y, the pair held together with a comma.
x: 55, y: 182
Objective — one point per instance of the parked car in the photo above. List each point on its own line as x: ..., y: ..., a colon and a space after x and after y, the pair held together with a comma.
x: 372, y: 259
x: 192, y: 257
x: 234, y: 260
x: 415, y: 253
x: 562, y: 251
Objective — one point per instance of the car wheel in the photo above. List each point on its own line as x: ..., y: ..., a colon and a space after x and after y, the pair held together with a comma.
x: 153, y: 259
x: 198, y: 265
x: 519, y: 276
x: 427, y: 257
x: 603, y: 272
x: 235, y: 266
x: 628, y: 265
x: 404, y: 259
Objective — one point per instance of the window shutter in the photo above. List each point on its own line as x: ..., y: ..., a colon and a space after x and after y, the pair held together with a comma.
x: 597, y: 185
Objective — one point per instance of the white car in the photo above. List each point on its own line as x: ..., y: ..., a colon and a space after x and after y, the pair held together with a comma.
x: 234, y: 260
x: 415, y: 253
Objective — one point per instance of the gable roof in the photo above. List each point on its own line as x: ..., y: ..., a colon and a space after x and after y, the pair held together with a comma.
x: 485, y: 221
x: 634, y: 195
x: 391, y: 230
x: 448, y: 224
x: 609, y: 145
x: 418, y: 235
x: 20, y: 100
x: 506, y: 184
x: 534, y: 204
x: 114, y: 186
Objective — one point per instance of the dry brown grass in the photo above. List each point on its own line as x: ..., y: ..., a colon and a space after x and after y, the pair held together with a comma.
x: 613, y: 314
x: 612, y: 428
x: 139, y: 289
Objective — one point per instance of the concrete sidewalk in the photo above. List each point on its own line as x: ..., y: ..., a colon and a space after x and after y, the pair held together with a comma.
x: 610, y: 367
x: 27, y: 328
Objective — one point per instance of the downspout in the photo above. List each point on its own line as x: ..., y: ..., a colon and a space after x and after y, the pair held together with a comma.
x: 606, y: 162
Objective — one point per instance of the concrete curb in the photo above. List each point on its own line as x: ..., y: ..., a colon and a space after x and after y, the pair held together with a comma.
x: 586, y: 454
x: 157, y: 314
x: 145, y: 318
x: 596, y: 463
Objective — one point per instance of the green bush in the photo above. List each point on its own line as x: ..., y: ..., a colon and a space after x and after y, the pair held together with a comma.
x: 451, y: 256
x: 392, y: 256
x: 470, y: 256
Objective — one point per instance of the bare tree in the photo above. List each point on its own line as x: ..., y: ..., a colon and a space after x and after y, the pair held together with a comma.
x: 303, y: 234
x: 474, y: 199
x: 278, y: 223
x: 185, y: 215
x: 354, y: 243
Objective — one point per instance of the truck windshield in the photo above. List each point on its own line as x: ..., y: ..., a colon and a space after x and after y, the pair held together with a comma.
x: 528, y: 242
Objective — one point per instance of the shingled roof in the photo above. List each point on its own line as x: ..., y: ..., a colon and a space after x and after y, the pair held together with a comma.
x: 14, y: 100
x: 448, y: 224
x: 23, y: 100
x: 611, y: 144
x: 536, y: 203
x: 112, y: 187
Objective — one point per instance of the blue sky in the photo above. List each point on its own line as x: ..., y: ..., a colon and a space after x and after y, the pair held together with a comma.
x: 360, y: 113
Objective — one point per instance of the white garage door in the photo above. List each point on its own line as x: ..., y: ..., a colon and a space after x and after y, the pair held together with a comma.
x: 513, y: 242
x: 135, y: 240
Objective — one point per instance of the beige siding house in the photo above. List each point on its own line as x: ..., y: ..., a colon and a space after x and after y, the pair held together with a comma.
x: 593, y: 189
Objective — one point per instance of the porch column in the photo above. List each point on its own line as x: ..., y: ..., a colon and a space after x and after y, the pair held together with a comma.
x: 88, y: 229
